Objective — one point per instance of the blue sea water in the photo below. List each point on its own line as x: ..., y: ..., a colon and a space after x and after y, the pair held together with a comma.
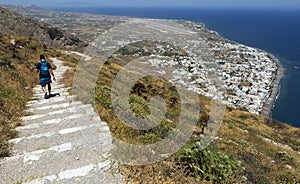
x: 274, y: 30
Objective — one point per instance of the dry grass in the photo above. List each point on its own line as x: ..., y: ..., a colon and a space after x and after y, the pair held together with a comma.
x: 241, y: 136
x: 16, y: 81
x: 17, y: 78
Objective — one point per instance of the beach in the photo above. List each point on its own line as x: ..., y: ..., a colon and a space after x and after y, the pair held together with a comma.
x: 239, y: 57
x: 269, y: 103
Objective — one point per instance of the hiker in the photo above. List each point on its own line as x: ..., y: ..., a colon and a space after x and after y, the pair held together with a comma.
x: 45, y: 72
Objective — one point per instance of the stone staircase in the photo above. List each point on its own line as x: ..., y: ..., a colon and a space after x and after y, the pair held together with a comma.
x: 62, y: 141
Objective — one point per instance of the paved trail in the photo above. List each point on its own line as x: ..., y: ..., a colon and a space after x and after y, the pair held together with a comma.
x: 63, y: 141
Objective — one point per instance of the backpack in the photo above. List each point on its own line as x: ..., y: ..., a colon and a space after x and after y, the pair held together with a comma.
x: 44, y: 68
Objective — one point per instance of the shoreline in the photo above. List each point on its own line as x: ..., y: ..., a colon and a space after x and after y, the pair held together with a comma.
x: 275, y: 91
x: 269, y: 103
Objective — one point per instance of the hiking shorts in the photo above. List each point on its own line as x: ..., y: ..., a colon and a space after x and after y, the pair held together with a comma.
x: 45, y: 81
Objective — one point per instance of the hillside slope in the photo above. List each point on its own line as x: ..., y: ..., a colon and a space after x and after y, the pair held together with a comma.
x: 16, y: 80
x: 17, y: 24
x: 18, y: 55
x: 248, y: 148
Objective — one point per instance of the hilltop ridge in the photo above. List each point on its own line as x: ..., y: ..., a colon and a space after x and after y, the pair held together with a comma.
x: 17, y: 24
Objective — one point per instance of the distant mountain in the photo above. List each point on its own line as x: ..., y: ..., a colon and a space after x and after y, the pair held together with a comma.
x: 76, y: 4
x: 17, y: 24
x: 35, y: 7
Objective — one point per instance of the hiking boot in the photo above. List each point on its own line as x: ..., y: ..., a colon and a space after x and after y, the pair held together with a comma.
x: 45, y: 96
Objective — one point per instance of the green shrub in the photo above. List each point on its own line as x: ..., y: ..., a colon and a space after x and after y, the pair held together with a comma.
x: 288, y: 179
x: 282, y: 156
x: 139, y: 106
x: 149, y: 138
x: 103, y: 95
x: 4, y: 149
x: 208, y: 164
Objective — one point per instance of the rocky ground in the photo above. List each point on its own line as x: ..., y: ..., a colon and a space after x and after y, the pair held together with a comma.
x: 17, y: 24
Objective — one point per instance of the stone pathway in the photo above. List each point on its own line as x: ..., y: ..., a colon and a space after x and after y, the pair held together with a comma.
x: 62, y: 141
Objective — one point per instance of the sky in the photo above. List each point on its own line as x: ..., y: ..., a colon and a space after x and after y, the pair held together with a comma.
x: 158, y: 3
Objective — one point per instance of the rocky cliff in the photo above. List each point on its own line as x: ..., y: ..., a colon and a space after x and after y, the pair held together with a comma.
x: 17, y: 24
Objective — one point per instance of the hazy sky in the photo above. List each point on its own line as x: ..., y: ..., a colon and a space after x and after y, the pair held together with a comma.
x: 192, y: 3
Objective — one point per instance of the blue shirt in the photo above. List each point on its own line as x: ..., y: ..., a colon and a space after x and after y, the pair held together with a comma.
x: 38, y: 67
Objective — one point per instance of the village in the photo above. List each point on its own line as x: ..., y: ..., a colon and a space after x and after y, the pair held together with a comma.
x: 246, y: 73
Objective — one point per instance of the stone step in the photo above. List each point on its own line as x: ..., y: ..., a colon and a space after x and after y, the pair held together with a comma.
x: 86, y: 117
x: 62, y: 141
x: 53, y: 86
x: 58, y: 78
x: 51, y: 101
x: 62, y: 91
x: 58, y: 99
x: 39, y: 90
x: 55, y: 107
x: 61, y: 113
x: 55, y: 159
x: 99, y: 173
x: 55, y: 137
x: 59, y: 73
x: 41, y: 95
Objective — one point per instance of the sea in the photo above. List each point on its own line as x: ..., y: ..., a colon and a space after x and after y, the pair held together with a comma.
x: 275, y: 30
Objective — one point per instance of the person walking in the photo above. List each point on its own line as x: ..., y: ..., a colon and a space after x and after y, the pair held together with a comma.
x: 45, y: 71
